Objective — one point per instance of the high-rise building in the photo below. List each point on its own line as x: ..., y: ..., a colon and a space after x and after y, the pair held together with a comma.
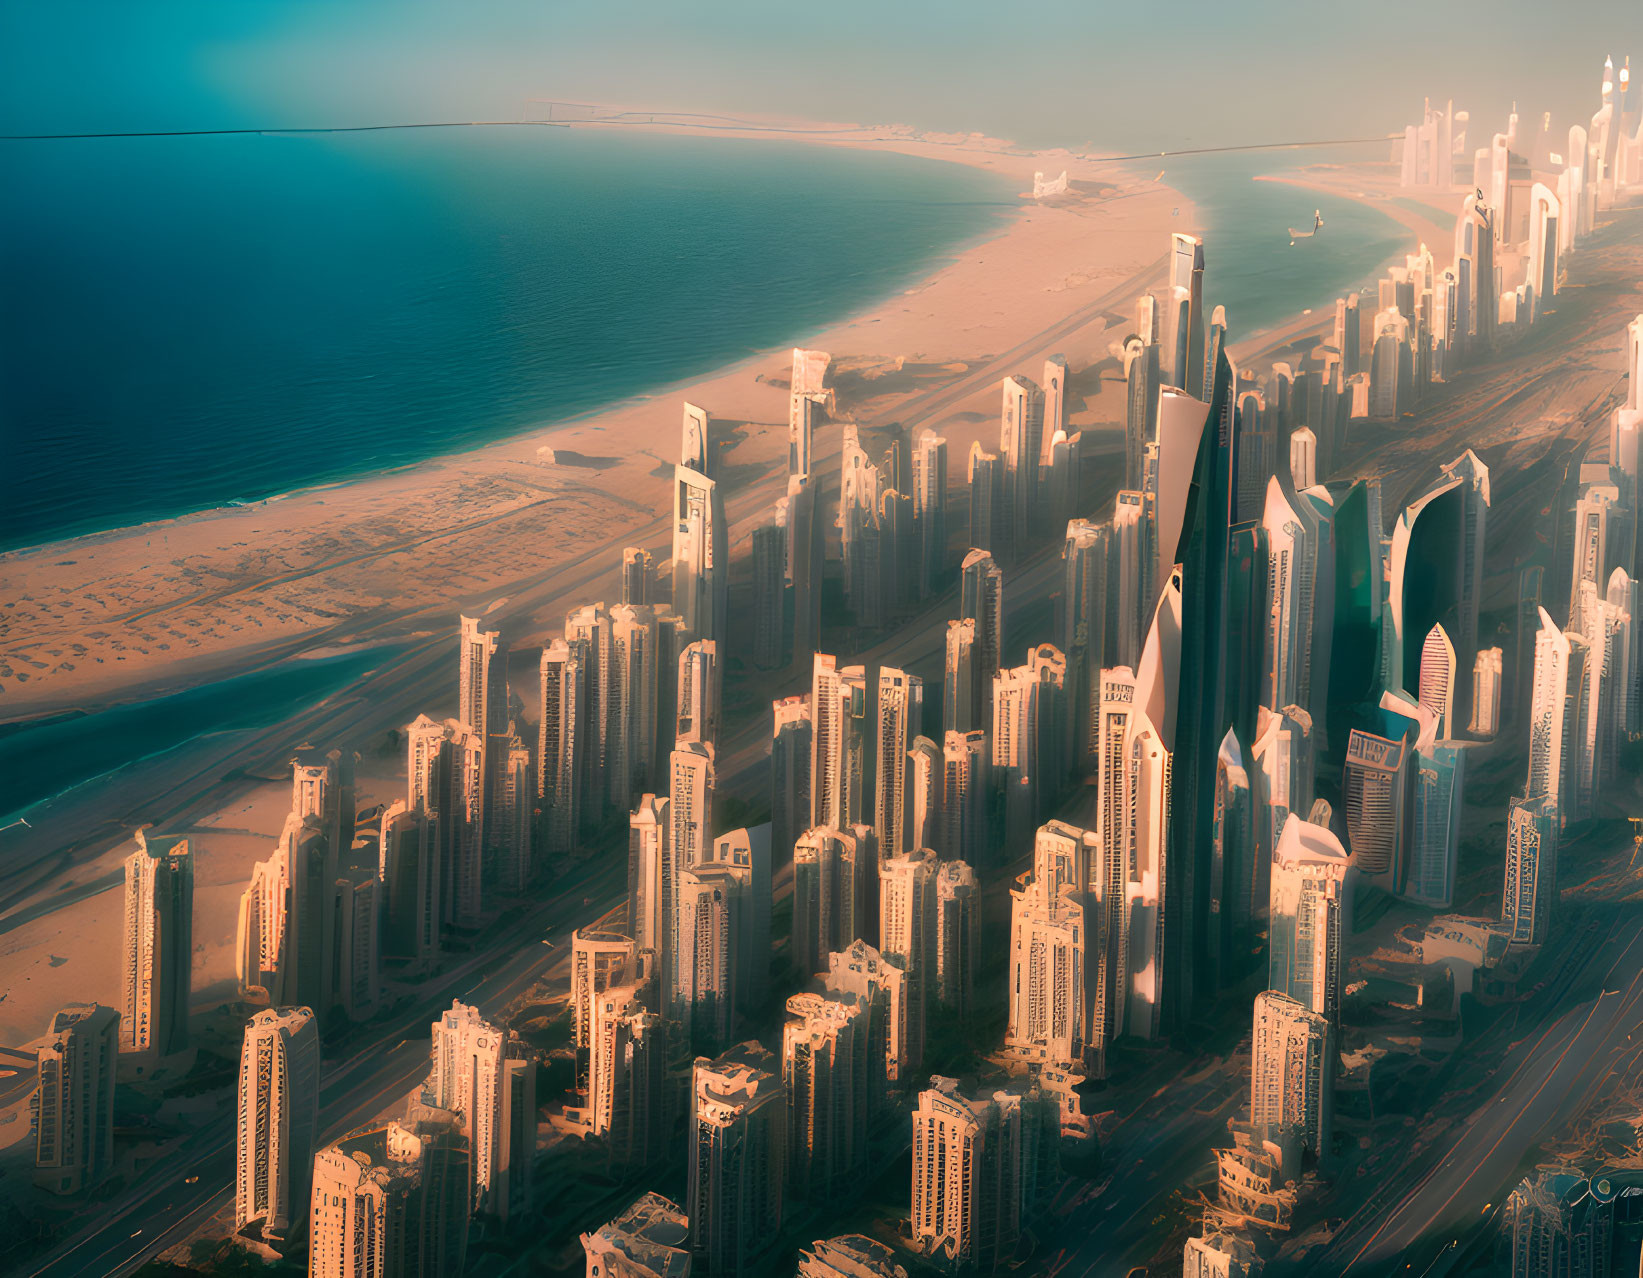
x: 627, y: 1074
x: 738, y: 1126
x: 356, y: 901
x: 698, y: 700
x: 929, y: 457
x: 1029, y: 736
x: 1242, y: 878
x: 1303, y: 458
x: 925, y: 781
x: 74, y: 1128
x: 1378, y: 796
x: 1086, y: 557
x: 835, y: 892
x: 389, y: 1200
x: 860, y: 975
x: 1055, y: 941
x: 653, y: 868
x: 745, y: 856
x: 958, y: 928
x: 708, y: 923
x: 1020, y: 444
x: 1309, y: 916
x: 638, y: 570
x: 690, y: 804
x: 963, y: 690
x: 559, y: 745
x: 445, y: 778
x: 1531, y: 892
x: 650, y: 1239
x: 805, y: 565
x: 701, y: 556
x: 977, y: 1165
x: 981, y: 601
x: 600, y: 961
x: 1183, y: 335
x: 907, y: 934
x: 841, y: 757
x: 1553, y: 708
x: 987, y: 483
x: 481, y: 1074
x: 278, y: 1119
x: 409, y: 866
x: 695, y: 441
x: 1486, y: 694
x: 1439, y: 785
x: 157, y: 950
x: 963, y: 804
x: 900, y: 719
x: 789, y: 772
x: 1437, y: 679
x: 826, y: 1059
x: 1291, y: 1067
x: 1143, y: 377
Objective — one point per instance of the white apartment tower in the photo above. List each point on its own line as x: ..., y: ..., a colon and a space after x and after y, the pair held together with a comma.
x: 157, y: 952
x: 278, y: 1119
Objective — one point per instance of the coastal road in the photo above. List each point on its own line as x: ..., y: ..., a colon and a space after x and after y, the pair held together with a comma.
x: 163, y: 1209
x: 1546, y: 1080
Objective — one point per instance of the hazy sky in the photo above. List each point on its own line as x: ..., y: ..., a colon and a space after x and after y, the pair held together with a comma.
x: 1133, y: 75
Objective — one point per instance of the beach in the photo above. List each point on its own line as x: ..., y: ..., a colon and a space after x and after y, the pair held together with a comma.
x: 510, y: 530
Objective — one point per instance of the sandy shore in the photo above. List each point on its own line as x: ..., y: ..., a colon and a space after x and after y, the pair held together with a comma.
x: 122, y: 615
x: 394, y: 557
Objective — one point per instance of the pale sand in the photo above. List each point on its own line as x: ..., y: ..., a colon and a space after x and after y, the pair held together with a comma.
x: 125, y: 614
x: 174, y: 603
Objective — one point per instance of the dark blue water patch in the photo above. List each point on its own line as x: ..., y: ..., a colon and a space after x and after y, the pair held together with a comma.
x: 199, y: 320
x: 1253, y: 267
x: 44, y: 758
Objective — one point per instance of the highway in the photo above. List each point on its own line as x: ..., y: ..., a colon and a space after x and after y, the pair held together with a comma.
x: 1540, y: 1085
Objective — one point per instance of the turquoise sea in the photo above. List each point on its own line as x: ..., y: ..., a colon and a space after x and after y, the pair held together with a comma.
x: 221, y: 318
x: 199, y: 320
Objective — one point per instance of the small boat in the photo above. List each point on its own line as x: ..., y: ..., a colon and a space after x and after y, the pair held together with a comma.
x: 1317, y: 225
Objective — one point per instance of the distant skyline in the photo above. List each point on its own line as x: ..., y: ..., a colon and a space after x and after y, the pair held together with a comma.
x: 1038, y: 75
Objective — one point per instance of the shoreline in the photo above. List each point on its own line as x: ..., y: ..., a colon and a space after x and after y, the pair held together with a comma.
x: 55, y: 634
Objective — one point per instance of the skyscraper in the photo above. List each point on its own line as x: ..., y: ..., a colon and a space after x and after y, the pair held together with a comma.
x: 924, y: 789
x: 409, y: 864
x: 1437, y: 679
x: 1439, y: 785
x: 1554, y: 694
x: 638, y: 569
x: 738, y: 1125
x: 1055, y: 941
x: 479, y: 1072
x: 1531, y: 890
x: 695, y: 440
x: 278, y: 1119
x: 74, y: 1130
x: 1311, y: 905
x: 390, y: 1199
x: 1029, y: 734
x: 706, y: 957
x: 1020, y: 444
x: 841, y: 758
x: 981, y: 601
x: 627, y: 1091
x: 701, y: 556
x: 559, y: 745
x: 769, y: 558
x: 929, y: 457
x: 900, y: 720
x: 907, y: 934
x: 962, y: 686
x: 1293, y: 1058
x: 987, y: 483
x: 976, y: 1166
x: 157, y: 952
x: 789, y: 772
x: 690, y: 804
x: 1486, y: 694
x: 1085, y: 557
x: 698, y: 701
x: 745, y: 856
x: 835, y: 892
x: 600, y: 961
x: 963, y: 805
x: 1378, y: 796
x: 825, y: 1063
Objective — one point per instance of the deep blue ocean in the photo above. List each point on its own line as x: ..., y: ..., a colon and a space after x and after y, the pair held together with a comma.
x: 198, y: 320
x: 209, y: 319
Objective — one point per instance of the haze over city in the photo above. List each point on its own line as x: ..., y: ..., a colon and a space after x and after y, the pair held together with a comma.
x: 905, y: 642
